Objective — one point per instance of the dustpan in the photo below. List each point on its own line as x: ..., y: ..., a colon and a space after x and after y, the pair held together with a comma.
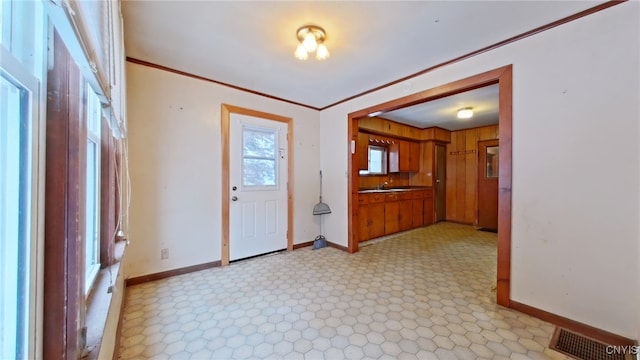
x: 321, y: 208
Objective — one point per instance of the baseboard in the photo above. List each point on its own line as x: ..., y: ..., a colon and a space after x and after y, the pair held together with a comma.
x: 169, y: 273
x: 340, y: 247
x: 302, y: 245
x: 583, y: 329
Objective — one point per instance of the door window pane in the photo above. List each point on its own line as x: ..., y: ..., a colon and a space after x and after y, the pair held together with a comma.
x: 259, y: 157
x: 15, y: 202
x: 492, y: 161
x: 92, y: 219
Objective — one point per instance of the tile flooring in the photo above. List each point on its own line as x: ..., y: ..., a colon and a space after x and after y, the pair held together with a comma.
x: 424, y: 294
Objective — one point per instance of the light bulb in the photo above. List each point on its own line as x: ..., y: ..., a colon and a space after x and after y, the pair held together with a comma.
x: 465, y: 113
x: 322, y: 52
x: 309, y: 42
x: 301, y: 53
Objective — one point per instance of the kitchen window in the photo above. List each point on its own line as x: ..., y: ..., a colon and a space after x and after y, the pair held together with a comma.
x: 377, y: 163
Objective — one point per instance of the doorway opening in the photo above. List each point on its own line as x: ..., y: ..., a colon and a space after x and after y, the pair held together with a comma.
x: 503, y: 78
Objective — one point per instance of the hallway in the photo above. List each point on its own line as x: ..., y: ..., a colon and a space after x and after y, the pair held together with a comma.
x: 426, y: 294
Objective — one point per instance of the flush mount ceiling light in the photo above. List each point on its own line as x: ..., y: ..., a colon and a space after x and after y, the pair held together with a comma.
x: 311, y: 38
x: 465, y: 113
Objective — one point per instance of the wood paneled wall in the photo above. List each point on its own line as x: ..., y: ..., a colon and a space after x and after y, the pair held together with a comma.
x: 462, y: 172
x: 425, y: 176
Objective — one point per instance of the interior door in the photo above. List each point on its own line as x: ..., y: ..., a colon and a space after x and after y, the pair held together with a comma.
x: 258, y: 186
x: 440, y: 180
x: 489, y: 152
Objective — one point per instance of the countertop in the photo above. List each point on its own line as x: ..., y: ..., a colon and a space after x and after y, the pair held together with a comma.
x: 394, y: 189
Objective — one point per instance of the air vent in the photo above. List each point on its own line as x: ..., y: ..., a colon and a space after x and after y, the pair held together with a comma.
x: 580, y: 347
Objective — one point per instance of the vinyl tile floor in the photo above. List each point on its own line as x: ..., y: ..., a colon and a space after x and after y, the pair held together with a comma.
x: 423, y: 294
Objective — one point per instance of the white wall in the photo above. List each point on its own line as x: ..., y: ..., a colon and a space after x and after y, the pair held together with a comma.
x: 576, y: 156
x: 175, y: 166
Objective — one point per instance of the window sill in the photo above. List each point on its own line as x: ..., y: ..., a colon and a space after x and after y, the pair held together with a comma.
x: 103, y: 308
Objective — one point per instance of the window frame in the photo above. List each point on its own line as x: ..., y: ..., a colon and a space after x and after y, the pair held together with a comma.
x: 93, y: 121
x: 23, y: 63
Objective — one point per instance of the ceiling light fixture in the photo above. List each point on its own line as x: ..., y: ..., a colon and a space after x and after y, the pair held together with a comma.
x: 311, y: 38
x: 465, y: 113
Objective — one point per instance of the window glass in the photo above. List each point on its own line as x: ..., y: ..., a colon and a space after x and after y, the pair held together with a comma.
x: 259, y: 164
x: 14, y: 218
x: 377, y: 163
x: 22, y: 63
x: 493, y: 152
x: 92, y: 220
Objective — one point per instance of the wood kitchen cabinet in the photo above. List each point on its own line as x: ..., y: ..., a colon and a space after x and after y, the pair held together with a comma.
x: 363, y: 217
x: 362, y: 149
x: 414, y: 156
x: 428, y: 208
x: 406, y: 211
x: 404, y: 156
x: 370, y: 214
x: 417, y: 209
x: 391, y: 213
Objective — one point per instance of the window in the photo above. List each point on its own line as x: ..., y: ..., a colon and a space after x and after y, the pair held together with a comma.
x: 14, y: 217
x: 377, y: 164
x: 21, y: 70
x: 92, y: 229
x: 259, y: 154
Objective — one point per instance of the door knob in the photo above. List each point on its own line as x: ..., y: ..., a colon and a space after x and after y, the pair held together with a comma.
x: 235, y: 198
x: 437, y: 181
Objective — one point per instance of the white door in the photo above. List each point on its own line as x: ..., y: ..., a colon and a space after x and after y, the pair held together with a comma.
x: 258, y: 181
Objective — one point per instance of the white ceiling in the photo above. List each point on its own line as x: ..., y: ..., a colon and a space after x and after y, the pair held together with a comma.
x: 443, y: 112
x: 250, y: 44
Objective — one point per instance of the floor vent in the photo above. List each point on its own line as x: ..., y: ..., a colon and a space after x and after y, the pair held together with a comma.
x: 580, y: 347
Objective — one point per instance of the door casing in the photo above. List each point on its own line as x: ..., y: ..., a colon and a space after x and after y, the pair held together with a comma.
x: 503, y: 76
x: 440, y: 191
x: 226, y: 112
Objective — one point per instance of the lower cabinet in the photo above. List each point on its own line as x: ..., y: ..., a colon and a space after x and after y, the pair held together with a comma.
x: 385, y: 213
x: 376, y: 225
x: 370, y: 214
x: 391, y: 214
x: 417, y: 212
x: 406, y: 211
x: 429, y: 217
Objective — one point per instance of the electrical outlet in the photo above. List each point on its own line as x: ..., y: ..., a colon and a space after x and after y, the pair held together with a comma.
x: 164, y: 254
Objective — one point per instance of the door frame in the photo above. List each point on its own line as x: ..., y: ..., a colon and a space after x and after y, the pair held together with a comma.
x: 226, y: 112
x: 503, y: 76
x: 434, y: 170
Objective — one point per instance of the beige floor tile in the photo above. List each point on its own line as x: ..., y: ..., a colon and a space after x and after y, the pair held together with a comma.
x: 422, y: 294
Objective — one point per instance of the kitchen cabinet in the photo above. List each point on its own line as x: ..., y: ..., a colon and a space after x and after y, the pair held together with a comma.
x: 362, y: 149
x: 417, y: 208
x: 388, y: 212
x: 376, y: 216
x: 404, y: 156
x: 370, y: 215
x: 406, y: 211
x: 414, y: 156
x: 363, y: 217
x: 391, y: 213
x: 428, y: 208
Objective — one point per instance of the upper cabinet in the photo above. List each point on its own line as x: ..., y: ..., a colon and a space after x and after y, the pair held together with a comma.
x: 404, y: 156
x: 362, y: 149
